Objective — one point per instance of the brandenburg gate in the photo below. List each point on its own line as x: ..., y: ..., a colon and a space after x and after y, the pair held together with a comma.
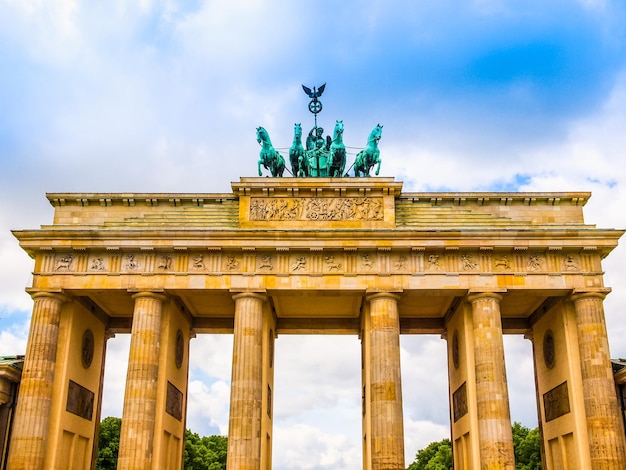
x: 281, y: 256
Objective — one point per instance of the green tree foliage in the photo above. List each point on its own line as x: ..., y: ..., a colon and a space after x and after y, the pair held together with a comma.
x: 201, y: 453
x: 108, y: 443
x: 436, y: 456
x: 205, y: 453
x: 526, y: 446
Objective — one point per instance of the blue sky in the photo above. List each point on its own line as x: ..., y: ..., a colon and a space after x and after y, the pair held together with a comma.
x: 158, y: 96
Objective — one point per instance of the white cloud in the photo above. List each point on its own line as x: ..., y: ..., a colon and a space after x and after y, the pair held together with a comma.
x: 212, y: 355
x: 309, y: 448
x: 208, y: 407
x: 13, y: 339
x: 115, y: 368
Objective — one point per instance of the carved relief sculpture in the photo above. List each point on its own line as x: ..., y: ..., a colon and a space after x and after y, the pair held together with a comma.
x: 468, y: 263
x: 166, y: 263
x: 97, y: 264
x: 502, y: 262
x: 368, y: 263
x: 323, y: 209
x: 232, y: 264
x: 266, y: 262
x: 330, y: 263
x: 131, y: 263
x: 64, y: 263
x: 198, y: 262
x: 433, y: 262
x: 401, y: 264
x: 534, y: 263
x: 299, y: 264
x: 570, y: 263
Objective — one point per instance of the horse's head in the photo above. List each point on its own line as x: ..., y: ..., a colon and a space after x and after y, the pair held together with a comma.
x: 376, y: 134
x: 338, y: 129
x: 297, y: 130
x: 262, y: 135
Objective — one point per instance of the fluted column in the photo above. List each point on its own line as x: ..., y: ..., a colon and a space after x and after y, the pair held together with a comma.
x: 492, y: 396
x: 246, y: 389
x: 387, y: 428
x: 604, y: 426
x: 139, y: 414
x: 32, y: 415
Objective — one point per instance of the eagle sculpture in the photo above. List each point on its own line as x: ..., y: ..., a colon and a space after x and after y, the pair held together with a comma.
x: 316, y: 93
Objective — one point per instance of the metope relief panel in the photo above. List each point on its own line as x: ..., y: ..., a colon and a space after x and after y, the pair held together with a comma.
x: 98, y: 264
x: 316, y: 209
x: 400, y: 263
x: 367, y: 262
x: 333, y: 263
x: 468, y: 263
x: 197, y: 262
x: 435, y: 262
x: 164, y: 263
x: 570, y: 263
x: 64, y: 262
x: 299, y: 264
x: 535, y: 262
x: 132, y: 263
x: 265, y: 263
x: 502, y: 262
x: 231, y: 263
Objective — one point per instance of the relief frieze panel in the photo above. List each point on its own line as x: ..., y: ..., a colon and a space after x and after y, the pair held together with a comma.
x: 502, y: 263
x: 265, y: 263
x: 64, y: 262
x: 316, y: 209
x: 285, y: 262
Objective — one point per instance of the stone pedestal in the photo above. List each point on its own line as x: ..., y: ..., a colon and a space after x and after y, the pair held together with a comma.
x: 32, y: 416
x: 492, y: 397
x: 604, y: 426
x: 138, y: 418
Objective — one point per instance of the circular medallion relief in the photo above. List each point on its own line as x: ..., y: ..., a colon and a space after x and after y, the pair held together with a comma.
x: 455, y: 349
x: 87, y: 347
x: 180, y: 349
x: 548, y: 349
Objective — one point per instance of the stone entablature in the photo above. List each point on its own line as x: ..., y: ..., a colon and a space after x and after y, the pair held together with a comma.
x: 337, y: 227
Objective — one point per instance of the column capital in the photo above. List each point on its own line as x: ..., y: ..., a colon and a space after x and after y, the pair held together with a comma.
x: 473, y: 296
x: 376, y: 295
x: 243, y: 294
x: 579, y: 294
x: 157, y: 295
x: 58, y: 295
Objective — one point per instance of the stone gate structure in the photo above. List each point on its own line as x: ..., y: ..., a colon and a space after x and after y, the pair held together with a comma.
x: 318, y: 256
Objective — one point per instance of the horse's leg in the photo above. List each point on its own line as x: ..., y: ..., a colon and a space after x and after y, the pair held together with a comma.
x: 260, y: 172
x: 378, y: 168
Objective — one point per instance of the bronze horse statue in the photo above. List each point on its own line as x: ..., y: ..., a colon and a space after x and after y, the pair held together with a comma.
x: 297, y: 156
x: 370, y: 155
x: 337, y: 161
x: 269, y: 156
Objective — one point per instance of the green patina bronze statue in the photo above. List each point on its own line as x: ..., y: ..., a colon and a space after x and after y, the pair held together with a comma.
x: 296, y: 153
x: 337, y: 162
x: 370, y: 155
x: 270, y: 158
x: 323, y: 156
